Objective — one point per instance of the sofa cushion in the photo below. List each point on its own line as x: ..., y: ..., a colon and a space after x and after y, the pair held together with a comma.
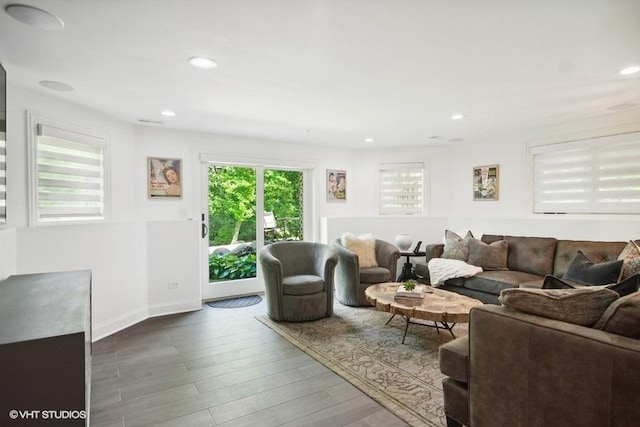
x: 363, y: 246
x: 488, y: 256
x: 630, y: 257
x: 375, y: 275
x: 583, y: 270
x: 531, y: 254
x: 456, y: 247
x: 454, y: 359
x: 622, y: 288
x: 622, y: 317
x: 302, y: 284
x: 494, y: 282
x: 566, y: 250
x: 582, y: 306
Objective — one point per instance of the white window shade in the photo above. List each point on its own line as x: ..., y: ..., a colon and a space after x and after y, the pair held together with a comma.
x: 600, y: 175
x: 70, y: 182
x: 401, y: 188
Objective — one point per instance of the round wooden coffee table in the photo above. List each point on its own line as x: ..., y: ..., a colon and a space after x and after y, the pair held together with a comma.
x: 441, y: 307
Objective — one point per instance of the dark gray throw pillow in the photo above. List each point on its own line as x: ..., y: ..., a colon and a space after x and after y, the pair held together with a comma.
x: 623, y: 288
x: 583, y: 270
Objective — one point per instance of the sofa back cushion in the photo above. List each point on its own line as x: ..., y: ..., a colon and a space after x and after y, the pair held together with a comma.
x: 533, y: 255
x: 595, y: 251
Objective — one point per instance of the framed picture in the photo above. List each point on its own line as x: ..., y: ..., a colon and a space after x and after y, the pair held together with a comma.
x: 485, y: 182
x: 336, y: 185
x: 164, y: 177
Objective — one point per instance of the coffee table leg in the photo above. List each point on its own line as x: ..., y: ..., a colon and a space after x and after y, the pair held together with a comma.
x: 392, y: 316
x: 449, y: 327
x: 405, y: 329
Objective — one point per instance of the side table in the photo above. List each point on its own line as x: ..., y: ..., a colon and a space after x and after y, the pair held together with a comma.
x: 407, y: 269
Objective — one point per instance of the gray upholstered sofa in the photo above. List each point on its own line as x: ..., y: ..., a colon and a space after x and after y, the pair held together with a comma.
x: 516, y: 369
x: 529, y: 260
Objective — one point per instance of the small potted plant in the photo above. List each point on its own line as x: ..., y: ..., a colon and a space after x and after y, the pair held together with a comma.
x: 410, y: 285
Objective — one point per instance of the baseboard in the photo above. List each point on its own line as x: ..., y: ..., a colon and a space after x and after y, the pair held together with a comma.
x: 174, y: 308
x: 112, y: 326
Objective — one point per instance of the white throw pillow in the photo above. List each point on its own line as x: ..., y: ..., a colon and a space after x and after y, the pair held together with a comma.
x: 363, y: 246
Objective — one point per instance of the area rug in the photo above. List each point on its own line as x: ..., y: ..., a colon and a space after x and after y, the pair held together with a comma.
x: 357, y: 344
x: 236, y: 302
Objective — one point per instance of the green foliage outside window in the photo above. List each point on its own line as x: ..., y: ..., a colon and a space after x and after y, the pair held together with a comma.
x: 232, y: 201
x: 231, y: 267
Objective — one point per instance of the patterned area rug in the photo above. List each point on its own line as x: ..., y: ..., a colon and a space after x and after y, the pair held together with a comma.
x: 357, y: 344
x: 236, y: 302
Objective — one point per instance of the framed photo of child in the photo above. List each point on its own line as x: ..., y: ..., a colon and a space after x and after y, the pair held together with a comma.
x: 336, y: 185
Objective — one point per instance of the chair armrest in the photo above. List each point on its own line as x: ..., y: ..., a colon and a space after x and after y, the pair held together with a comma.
x: 530, y: 370
x: 387, y: 255
x: 271, y: 268
x: 325, y: 261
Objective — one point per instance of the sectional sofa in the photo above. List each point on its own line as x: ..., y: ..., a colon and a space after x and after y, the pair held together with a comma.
x: 528, y: 261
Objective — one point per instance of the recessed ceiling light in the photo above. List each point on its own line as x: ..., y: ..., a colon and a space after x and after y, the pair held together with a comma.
x: 457, y: 116
x: 368, y: 140
x: 629, y: 70
x: 202, y: 62
x: 53, y: 85
x: 35, y: 17
x: 168, y: 113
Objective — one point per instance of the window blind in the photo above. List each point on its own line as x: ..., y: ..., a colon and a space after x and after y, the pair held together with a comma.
x: 401, y: 188
x: 70, y: 175
x: 600, y: 175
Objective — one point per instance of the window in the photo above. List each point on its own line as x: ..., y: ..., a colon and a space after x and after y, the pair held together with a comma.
x: 68, y: 174
x: 600, y: 175
x: 401, y: 188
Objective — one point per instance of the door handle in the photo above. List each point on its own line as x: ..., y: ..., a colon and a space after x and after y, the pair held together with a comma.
x: 204, y: 228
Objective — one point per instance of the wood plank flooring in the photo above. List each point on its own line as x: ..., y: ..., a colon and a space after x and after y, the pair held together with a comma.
x: 219, y: 367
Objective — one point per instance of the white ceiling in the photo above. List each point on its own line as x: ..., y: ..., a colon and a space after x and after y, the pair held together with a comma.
x: 337, y: 71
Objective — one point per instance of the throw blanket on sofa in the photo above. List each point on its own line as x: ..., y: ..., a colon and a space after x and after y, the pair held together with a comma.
x: 441, y: 269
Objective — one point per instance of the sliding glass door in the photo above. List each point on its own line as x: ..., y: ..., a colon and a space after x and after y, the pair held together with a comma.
x: 246, y: 207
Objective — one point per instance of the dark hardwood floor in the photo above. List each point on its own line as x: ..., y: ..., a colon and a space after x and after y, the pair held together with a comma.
x: 219, y: 367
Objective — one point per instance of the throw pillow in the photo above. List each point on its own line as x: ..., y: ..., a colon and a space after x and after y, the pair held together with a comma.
x: 622, y: 288
x: 489, y: 256
x: 583, y: 306
x: 552, y: 282
x: 622, y: 317
x: 630, y: 257
x: 456, y: 247
x: 363, y: 246
x: 583, y: 270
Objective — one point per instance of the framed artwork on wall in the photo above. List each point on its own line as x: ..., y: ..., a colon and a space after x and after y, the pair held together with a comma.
x: 336, y: 185
x: 485, y: 182
x: 164, y: 175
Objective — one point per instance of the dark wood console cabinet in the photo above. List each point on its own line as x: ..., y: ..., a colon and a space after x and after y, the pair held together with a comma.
x: 45, y: 349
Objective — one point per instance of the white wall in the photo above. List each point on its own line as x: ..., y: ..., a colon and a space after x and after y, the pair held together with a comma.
x: 173, y: 257
x: 116, y: 255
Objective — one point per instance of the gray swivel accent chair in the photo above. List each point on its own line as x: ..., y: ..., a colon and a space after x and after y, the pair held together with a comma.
x: 351, y: 280
x: 298, y: 280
